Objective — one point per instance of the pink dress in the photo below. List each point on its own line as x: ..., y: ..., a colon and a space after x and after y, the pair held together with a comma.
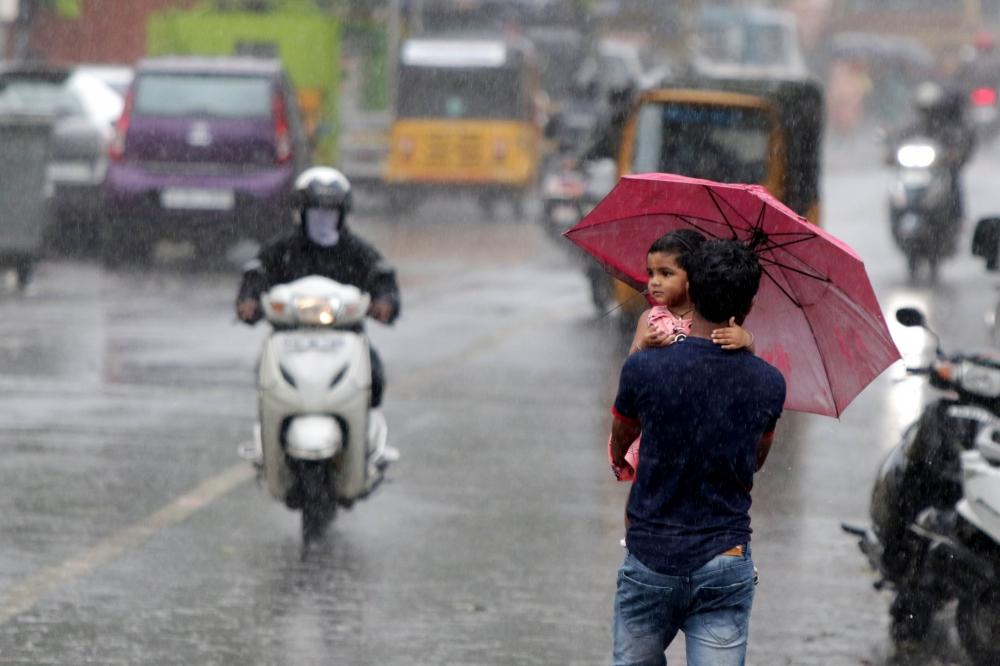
x: 661, y: 318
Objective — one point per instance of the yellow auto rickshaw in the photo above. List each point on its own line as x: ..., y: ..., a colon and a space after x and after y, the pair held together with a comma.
x: 763, y: 131
x: 466, y: 117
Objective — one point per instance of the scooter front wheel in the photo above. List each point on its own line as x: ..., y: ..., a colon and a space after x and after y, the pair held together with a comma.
x: 318, y: 505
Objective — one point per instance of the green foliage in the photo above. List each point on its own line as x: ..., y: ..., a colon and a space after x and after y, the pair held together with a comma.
x: 68, y: 9
x: 283, y: 6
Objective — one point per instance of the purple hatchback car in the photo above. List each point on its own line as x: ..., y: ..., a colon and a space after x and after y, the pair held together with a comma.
x: 206, y: 151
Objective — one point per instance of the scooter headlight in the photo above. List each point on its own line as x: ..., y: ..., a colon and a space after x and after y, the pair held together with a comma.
x: 916, y: 156
x: 979, y: 379
x: 316, y: 311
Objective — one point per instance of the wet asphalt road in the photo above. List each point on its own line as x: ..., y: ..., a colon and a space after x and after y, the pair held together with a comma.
x: 134, y: 535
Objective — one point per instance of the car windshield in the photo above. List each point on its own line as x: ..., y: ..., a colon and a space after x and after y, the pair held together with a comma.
x: 24, y: 95
x: 427, y: 92
x: 727, y: 144
x: 203, y: 95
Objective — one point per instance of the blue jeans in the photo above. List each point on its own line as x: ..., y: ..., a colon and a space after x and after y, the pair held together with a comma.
x: 711, y: 606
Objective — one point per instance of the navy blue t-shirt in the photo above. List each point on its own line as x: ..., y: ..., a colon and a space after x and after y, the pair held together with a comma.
x: 702, y: 411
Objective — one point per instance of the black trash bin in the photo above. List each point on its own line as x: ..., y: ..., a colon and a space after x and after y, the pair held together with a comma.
x: 25, y: 207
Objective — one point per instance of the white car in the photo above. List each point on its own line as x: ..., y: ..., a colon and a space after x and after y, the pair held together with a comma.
x: 79, y: 153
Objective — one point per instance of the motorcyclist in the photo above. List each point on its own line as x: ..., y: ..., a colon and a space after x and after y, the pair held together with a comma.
x: 940, y: 116
x: 321, y: 243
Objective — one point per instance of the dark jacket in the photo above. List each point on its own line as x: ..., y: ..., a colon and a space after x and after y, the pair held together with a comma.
x: 351, y: 261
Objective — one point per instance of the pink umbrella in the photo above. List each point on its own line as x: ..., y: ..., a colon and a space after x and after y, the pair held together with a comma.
x: 816, y: 318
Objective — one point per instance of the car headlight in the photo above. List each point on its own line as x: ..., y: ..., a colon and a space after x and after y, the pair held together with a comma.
x: 916, y: 155
x: 316, y: 311
x: 980, y: 379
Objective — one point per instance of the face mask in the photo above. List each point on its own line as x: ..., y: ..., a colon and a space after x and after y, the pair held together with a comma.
x: 323, y: 226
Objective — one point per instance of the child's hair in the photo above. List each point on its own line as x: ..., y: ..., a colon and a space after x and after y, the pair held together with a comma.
x: 680, y: 243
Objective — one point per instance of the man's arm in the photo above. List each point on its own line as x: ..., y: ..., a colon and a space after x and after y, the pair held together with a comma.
x: 380, y: 282
x: 252, y: 284
x: 623, y: 433
x: 764, y: 448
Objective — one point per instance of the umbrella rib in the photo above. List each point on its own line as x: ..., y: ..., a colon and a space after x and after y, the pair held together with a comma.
x: 711, y: 195
x: 801, y: 239
x: 812, y: 331
x: 779, y: 286
x: 716, y: 197
x: 822, y: 359
x: 690, y: 220
x: 814, y: 276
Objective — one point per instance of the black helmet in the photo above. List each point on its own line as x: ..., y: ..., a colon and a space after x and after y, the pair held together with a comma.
x: 322, y: 187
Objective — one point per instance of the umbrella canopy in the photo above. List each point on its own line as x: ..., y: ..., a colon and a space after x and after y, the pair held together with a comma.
x: 816, y: 317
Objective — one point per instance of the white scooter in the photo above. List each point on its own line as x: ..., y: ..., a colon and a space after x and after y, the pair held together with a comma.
x: 319, y: 443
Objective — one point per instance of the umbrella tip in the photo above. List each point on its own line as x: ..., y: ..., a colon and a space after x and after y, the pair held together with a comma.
x: 757, y: 239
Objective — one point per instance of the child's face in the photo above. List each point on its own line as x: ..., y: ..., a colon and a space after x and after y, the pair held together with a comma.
x: 667, y: 280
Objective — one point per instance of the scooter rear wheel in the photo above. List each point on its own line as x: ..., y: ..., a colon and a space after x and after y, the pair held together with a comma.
x: 978, y: 623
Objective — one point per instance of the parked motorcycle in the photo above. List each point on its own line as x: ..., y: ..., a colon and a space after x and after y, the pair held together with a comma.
x: 320, y: 444
x: 923, y: 207
x: 986, y: 244
x: 935, y: 506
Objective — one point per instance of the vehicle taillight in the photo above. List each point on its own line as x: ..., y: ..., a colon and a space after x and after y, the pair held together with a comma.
x: 282, y: 141
x: 116, y: 151
x: 983, y: 97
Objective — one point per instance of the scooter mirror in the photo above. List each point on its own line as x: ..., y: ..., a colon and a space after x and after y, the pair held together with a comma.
x: 986, y: 242
x: 910, y: 317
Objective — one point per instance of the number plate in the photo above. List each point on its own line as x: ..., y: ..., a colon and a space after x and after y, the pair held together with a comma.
x: 302, y: 343
x: 193, y: 198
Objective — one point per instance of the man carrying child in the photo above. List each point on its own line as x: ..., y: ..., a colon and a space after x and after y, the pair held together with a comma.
x: 707, y: 418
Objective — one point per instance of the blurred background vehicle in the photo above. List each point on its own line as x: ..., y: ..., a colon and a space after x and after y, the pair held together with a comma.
x: 78, y: 162
x: 116, y: 77
x: 206, y: 151
x: 872, y: 76
x: 744, y: 41
x: 452, y: 130
x: 628, y: 64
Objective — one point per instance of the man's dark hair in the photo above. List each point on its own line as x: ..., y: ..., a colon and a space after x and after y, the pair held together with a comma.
x: 723, y: 277
x: 680, y: 243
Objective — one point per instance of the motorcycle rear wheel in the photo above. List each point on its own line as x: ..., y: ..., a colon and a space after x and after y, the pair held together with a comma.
x: 978, y: 624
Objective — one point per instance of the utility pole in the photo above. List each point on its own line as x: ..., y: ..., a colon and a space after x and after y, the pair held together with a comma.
x: 392, y: 57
